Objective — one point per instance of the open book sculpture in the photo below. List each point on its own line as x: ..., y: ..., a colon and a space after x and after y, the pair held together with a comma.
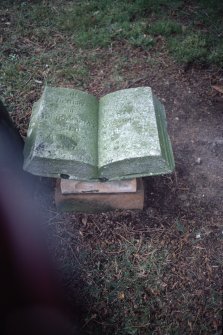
x: 73, y: 135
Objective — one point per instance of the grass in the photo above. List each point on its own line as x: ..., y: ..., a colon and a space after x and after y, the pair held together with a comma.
x: 130, y: 281
x: 53, y: 50
x: 165, y: 28
x: 192, y: 34
x: 140, y: 278
x: 100, y: 23
x: 190, y: 49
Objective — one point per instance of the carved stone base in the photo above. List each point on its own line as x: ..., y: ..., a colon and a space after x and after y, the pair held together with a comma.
x: 99, y: 202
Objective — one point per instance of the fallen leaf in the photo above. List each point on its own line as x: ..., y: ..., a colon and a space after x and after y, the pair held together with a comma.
x: 84, y: 220
x: 190, y: 325
x: 121, y: 295
x: 218, y: 88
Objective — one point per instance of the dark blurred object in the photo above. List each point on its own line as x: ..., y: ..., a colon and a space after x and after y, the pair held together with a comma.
x: 11, y: 144
x: 31, y: 299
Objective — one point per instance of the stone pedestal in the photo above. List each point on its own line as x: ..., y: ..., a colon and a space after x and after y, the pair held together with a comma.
x: 98, y: 201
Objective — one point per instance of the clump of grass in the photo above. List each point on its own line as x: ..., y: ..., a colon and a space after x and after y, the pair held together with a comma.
x: 12, y: 74
x: 192, y: 48
x: 93, y: 38
x: 165, y: 28
x: 142, y: 40
x: 75, y: 74
x: 125, y: 284
x: 216, y: 55
x: 37, y: 15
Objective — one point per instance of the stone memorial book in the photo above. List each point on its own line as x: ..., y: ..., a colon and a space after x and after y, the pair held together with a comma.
x: 74, y: 135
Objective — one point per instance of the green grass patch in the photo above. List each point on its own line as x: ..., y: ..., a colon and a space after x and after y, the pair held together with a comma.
x: 216, y: 55
x: 165, y: 28
x: 53, y: 41
x: 124, y: 285
x: 101, y: 23
x: 191, y: 48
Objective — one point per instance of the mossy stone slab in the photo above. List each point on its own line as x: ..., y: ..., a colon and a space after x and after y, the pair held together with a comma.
x: 133, y: 138
x: 62, y: 135
x: 123, y: 136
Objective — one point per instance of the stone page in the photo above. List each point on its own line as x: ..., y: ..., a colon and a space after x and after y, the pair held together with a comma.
x: 62, y: 136
x: 129, y: 140
x: 127, y: 126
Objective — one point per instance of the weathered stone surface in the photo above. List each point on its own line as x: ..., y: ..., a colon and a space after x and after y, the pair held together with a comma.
x: 118, y: 186
x: 73, y: 136
x: 62, y: 136
x: 133, y: 139
x: 99, y: 202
